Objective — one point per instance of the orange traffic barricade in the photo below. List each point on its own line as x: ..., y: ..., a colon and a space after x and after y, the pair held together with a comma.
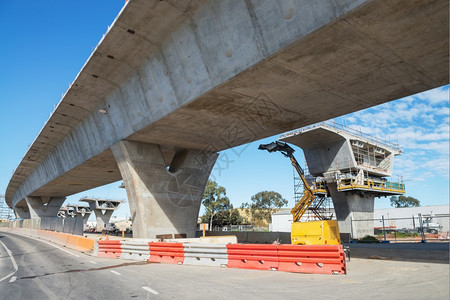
x: 109, y: 249
x: 252, y: 256
x: 323, y: 259
x: 169, y: 253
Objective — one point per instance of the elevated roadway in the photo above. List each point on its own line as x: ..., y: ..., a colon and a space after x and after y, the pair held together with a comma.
x: 174, y: 82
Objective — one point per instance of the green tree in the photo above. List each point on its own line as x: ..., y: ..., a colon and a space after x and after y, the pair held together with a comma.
x: 402, y: 201
x: 225, y: 217
x: 218, y: 209
x: 264, y: 204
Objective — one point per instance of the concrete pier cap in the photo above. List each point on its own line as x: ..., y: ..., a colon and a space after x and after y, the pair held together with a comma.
x: 103, y: 209
x: 44, y: 207
x: 354, y: 167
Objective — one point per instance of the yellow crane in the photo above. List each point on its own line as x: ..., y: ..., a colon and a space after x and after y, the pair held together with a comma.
x: 308, y: 233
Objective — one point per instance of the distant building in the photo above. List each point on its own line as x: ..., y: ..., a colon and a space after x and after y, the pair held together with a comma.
x: 281, y: 220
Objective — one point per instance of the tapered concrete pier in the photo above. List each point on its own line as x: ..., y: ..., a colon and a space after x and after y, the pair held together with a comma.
x: 354, y: 167
x: 164, y: 198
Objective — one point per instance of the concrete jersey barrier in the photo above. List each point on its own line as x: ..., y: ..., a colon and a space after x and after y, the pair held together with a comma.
x: 135, y: 250
x: 203, y: 254
x: 323, y: 259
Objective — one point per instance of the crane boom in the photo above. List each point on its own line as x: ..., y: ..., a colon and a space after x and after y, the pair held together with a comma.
x: 308, y: 196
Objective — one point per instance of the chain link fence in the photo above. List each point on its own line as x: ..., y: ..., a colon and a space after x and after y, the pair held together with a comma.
x: 415, y: 228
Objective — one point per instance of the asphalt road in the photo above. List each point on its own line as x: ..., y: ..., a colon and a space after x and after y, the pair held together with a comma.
x: 46, y: 271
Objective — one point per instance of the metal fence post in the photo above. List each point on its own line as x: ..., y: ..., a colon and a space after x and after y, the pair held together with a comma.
x: 384, y: 231
x: 421, y: 228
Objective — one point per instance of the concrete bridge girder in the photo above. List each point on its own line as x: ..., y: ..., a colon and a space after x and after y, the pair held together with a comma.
x: 217, y: 74
x: 163, y: 200
x: 206, y: 63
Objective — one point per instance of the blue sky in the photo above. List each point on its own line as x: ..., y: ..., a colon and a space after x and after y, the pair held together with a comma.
x: 45, y: 44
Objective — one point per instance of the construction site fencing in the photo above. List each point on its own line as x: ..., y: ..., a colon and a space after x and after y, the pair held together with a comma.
x: 72, y: 241
x: 415, y: 228
x: 67, y: 225
x: 73, y: 225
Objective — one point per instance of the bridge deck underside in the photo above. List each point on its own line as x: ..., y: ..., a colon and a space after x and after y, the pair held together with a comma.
x: 373, y: 55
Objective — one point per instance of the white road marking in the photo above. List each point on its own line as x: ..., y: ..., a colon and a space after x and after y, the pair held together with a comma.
x: 12, y: 260
x: 115, y: 272
x: 92, y: 262
x: 13, y: 279
x: 54, y: 246
x: 150, y: 290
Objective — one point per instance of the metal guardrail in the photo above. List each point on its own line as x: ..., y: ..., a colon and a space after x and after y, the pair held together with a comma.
x: 370, y: 185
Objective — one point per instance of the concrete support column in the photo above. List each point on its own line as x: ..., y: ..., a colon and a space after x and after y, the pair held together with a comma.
x: 102, y: 217
x: 163, y: 201
x: 44, y: 207
x: 21, y: 212
x: 354, y: 206
x: 85, y: 220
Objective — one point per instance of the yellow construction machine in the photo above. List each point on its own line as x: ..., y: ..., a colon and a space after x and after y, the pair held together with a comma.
x: 313, y: 232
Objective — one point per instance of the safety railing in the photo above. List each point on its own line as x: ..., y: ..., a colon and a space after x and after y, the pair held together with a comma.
x: 371, y: 185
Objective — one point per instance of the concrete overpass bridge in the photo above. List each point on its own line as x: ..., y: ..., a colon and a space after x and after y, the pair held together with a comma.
x: 174, y: 82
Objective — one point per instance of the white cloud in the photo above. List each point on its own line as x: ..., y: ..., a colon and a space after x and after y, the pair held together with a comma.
x: 420, y: 124
x: 435, y: 96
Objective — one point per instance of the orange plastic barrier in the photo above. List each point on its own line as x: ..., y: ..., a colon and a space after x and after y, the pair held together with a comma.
x: 169, y: 253
x: 252, y: 256
x: 72, y: 241
x: 323, y: 259
x: 109, y: 249
x: 80, y: 243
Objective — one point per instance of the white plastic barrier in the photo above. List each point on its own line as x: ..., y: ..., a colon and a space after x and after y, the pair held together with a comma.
x: 205, y: 254
x: 135, y: 250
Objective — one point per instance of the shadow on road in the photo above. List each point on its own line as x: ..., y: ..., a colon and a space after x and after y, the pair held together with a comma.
x: 414, y: 252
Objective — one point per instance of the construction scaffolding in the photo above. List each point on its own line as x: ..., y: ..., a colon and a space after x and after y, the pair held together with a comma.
x: 6, y: 213
x: 322, y: 206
